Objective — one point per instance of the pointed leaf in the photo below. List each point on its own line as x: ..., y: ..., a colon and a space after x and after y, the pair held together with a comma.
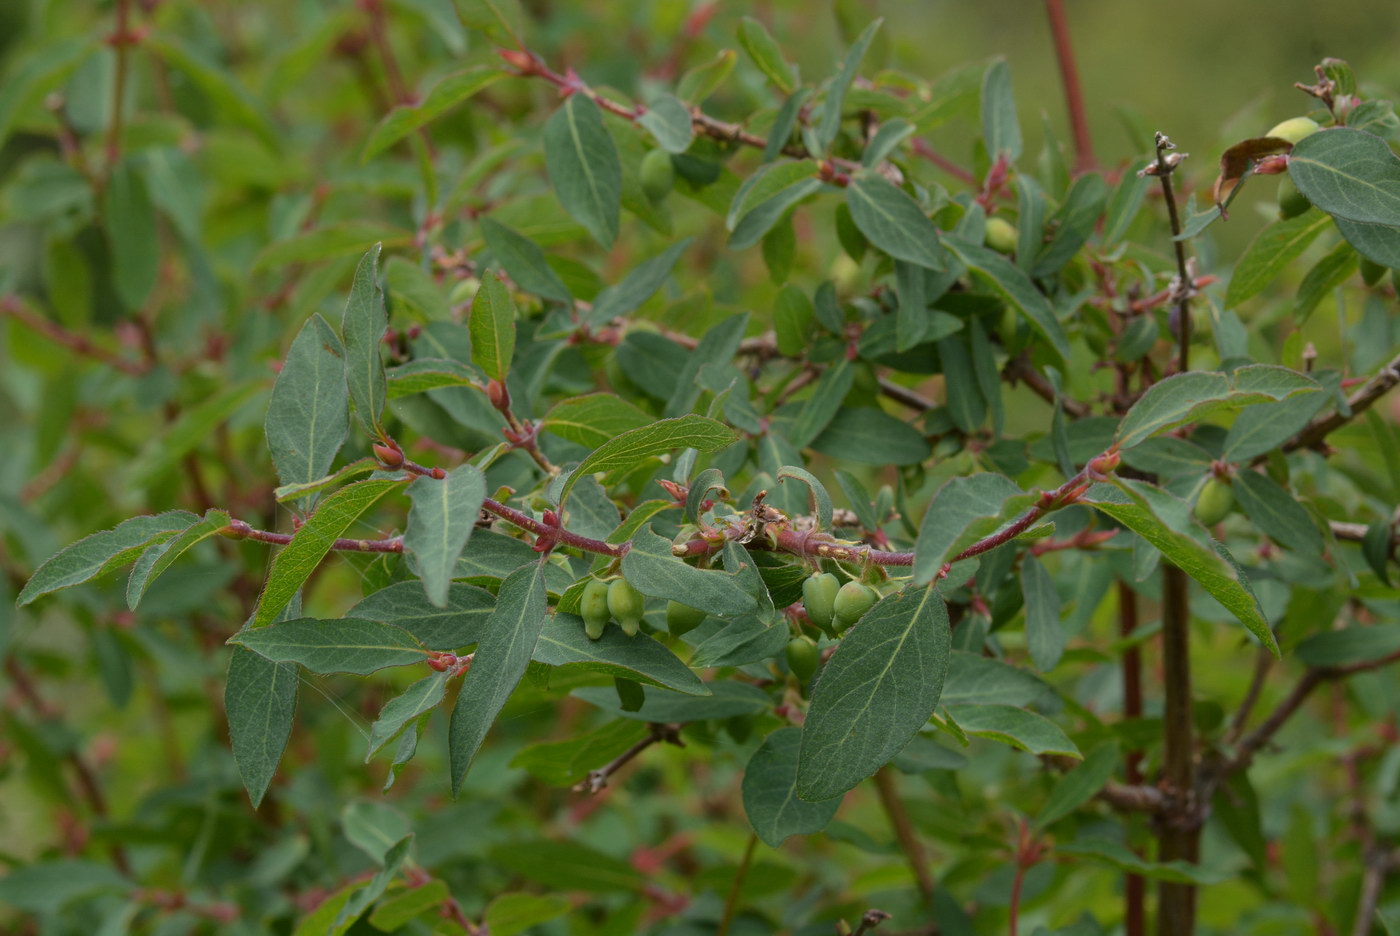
x: 1000, y: 128
x: 1017, y: 727
x: 963, y: 511
x: 668, y: 121
x: 308, y: 414
x: 830, y: 123
x: 347, y: 645
x: 445, y: 95
x: 875, y: 693
x: 500, y: 660
x: 1184, y: 398
x: 630, y: 449
x: 770, y: 791
x: 893, y: 221
x: 298, y: 559
x: 1013, y: 285
x: 260, y: 700
x: 442, y: 518
x: 638, y: 286
x: 363, y: 327
x: 159, y: 557
x: 1045, y: 637
x: 1272, y: 250
x: 1278, y: 513
x: 102, y: 552
x: 459, y: 623
x: 593, y: 419
x: 419, y: 698
x: 584, y: 167
x: 1348, y: 173
x: 524, y: 261
x: 765, y: 53
x: 492, y: 325
x: 654, y: 571
x: 640, y: 659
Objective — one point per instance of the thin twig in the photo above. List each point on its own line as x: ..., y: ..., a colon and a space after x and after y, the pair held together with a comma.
x: 598, y: 779
x: 1316, y: 432
x: 121, y: 41
x: 12, y: 306
x: 731, y: 902
x: 904, y: 831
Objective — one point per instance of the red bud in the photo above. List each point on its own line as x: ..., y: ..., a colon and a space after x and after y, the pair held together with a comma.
x: 390, y: 455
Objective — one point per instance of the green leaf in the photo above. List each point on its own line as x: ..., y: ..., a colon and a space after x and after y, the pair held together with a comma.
x: 784, y: 123
x: 347, y: 645
x: 501, y: 659
x: 1350, y: 645
x: 313, y: 539
x: 871, y: 436
x: 1277, y: 513
x: 1273, y: 249
x: 308, y: 414
x: 45, y: 887
x: 216, y: 83
x: 1012, y: 284
x: 1184, y: 398
x: 965, y: 405
x: 963, y: 511
x: 593, y: 419
x: 445, y: 95
x: 498, y: 19
x: 343, y: 239
x: 893, y: 221
x: 195, y: 424
x: 816, y: 411
x: 727, y: 699
x: 1045, y: 637
x: 755, y: 223
x: 462, y: 621
x: 631, y: 448
x: 830, y: 123
x: 640, y: 659
x: 363, y: 326
x: 354, y: 469
x: 761, y: 48
x: 1334, y: 269
x: 705, y: 79
x: 1378, y: 243
x: 492, y: 326
x: 584, y: 167
x: 1167, y: 523
x: 440, y: 523
x: 1125, y: 859
x: 668, y: 121
x: 770, y: 791
x: 1080, y: 785
x: 102, y: 552
x: 567, y: 865
x: 1349, y: 174
x: 875, y: 693
x: 407, y: 905
x: 818, y: 501
x: 422, y: 375
x: 419, y: 698
x: 510, y: 914
x: 159, y: 556
x: 652, y: 569
x: 1264, y: 427
x: 975, y: 678
x: 130, y: 221
x: 564, y: 763
x: 1000, y: 128
x: 1073, y: 224
x: 39, y: 69
x: 524, y: 261
x: 638, y: 286
x: 260, y: 701
x: 1023, y: 730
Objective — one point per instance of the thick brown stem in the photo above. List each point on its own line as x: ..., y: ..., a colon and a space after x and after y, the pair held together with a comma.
x: 904, y: 831
x: 1179, y: 826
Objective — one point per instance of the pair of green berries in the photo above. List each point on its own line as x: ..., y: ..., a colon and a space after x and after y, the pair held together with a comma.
x: 604, y: 600
x: 834, y: 607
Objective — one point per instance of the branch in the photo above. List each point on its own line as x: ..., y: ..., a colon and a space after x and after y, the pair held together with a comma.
x: 1313, y: 677
x: 12, y: 306
x: 1183, y: 286
x: 1315, y: 433
x: 598, y: 779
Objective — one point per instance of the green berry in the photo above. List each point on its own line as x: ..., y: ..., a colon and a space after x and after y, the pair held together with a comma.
x: 819, y: 598
x: 1294, y: 129
x: 802, y: 658
x: 681, y: 619
x: 627, y: 605
x: 853, y: 600
x: 1291, y: 202
x: 1371, y: 271
x: 593, y: 608
x: 1001, y: 235
x: 1215, y: 501
x: 657, y: 174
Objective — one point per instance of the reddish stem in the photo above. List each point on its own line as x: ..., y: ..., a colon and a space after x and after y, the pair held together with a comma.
x: 1069, y: 77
